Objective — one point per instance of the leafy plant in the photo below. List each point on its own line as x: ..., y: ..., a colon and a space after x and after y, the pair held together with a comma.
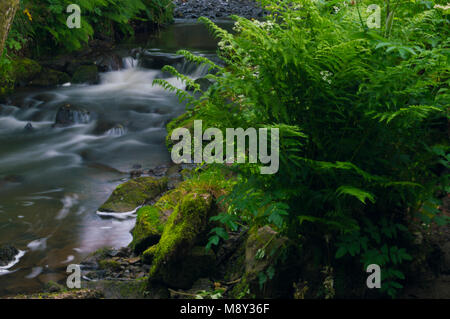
x: 362, y: 115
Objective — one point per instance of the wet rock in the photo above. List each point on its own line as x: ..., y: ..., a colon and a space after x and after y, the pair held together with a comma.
x: 134, y: 193
x: 49, y: 78
x: 156, y: 60
x: 13, y: 178
x: 192, y: 9
x: 29, y: 127
x: 7, y: 254
x: 158, y: 171
x: 86, y: 74
x: 174, y: 176
x: 70, y: 115
x: 109, y: 62
x: 136, y: 173
x: 53, y: 287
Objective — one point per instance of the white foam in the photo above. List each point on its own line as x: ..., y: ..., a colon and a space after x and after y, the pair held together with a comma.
x: 68, y: 203
x: 38, y: 244
x: 123, y: 215
x: 36, y: 271
x: 69, y: 259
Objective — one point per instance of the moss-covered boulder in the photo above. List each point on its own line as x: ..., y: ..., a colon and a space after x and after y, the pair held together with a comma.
x: 174, y: 260
x: 262, y: 251
x: 49, y: 78
x: 149, y: 227
x: 136, y: 192
x: 25, y: 70
x: 86, y: 74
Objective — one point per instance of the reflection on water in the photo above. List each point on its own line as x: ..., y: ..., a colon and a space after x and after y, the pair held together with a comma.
x: 53, y: 178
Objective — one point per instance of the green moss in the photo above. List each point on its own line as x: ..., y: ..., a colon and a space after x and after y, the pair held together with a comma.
x: 136, y: 192
x: 149, y: 227
x: 149, y: 254
x: 109, y: 264
x: 102, y: 253
x: 25, y: 70
x: 183, y: 226
x: 185, y: 120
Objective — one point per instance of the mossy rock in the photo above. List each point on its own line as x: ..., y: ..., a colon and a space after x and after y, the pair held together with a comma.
x: 182, y: 273
x: 170, y: 264
x: 86, y: 74
x: 53, y: 287
x: 151, y: 221
x: 49, y: 77
x: 113, y: 289
x: 25, y: 70
x: 262, y: 249
x: 186, y: 120
x: 109, y: 264
x: 136, y: 192
x: 149, y: 227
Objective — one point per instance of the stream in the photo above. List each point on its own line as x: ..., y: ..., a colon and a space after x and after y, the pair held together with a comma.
x: 53, y: 179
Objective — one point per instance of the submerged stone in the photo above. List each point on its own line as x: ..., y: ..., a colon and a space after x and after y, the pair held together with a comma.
x: 157, y: 60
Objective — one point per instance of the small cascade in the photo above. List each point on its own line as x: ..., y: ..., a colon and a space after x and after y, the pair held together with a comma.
x: 130, y: 63
x: 116, y: 131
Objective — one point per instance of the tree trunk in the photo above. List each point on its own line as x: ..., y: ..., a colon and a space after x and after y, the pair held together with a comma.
x: 8, y: 9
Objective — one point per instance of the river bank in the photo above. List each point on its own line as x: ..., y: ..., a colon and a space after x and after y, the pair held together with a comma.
x: 180, y: 239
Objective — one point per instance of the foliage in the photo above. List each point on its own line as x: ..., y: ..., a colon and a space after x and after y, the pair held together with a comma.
x: 43, y: 24
x: 362, y: 115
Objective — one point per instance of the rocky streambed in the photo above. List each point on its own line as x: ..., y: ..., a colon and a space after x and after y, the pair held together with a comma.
x: 194, y: 9
x: 167, y: 257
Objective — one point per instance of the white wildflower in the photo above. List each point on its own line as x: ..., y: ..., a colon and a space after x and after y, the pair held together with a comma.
x: 326, y: 75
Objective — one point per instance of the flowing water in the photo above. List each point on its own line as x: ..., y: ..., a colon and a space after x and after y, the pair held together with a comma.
x: 53, y: 179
